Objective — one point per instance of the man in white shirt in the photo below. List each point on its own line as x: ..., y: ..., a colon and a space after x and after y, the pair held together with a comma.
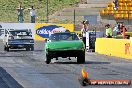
x: 84, y: 30
x: 32, y: 14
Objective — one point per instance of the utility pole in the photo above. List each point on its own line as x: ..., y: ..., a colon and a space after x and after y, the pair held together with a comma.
x: 47, y: 11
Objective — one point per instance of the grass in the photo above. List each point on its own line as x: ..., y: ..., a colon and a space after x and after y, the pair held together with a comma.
x: 8, y: 12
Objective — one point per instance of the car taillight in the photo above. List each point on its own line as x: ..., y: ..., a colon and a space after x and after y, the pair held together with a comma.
x: 32, y: 41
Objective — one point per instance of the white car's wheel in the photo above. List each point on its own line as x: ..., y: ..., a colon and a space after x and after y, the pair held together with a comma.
x: 32, y: 48
x: 7, y: 48
x: 4, y: 48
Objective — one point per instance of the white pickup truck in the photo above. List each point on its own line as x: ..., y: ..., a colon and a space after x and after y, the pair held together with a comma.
x: 18, y: 39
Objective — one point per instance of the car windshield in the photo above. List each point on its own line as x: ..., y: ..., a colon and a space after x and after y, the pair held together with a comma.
x: 63, y: 36
x: 20, y: 33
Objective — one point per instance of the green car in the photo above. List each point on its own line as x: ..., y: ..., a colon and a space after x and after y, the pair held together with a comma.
x: 64, y: 44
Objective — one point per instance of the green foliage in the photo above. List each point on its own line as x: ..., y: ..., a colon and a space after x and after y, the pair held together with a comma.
x: 8, y: 12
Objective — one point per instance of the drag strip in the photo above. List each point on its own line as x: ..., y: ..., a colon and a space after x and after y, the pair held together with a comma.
x: 29, y: 69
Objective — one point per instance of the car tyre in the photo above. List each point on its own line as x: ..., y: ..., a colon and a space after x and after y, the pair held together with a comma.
x: 32, y: 48
x: 27, y: 48
x: 48, y: 59
x: 7, y: 48
x: 81, y: 58
x: 4, y: 48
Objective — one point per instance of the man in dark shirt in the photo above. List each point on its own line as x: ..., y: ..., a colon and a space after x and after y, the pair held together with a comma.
x: 20, y: 14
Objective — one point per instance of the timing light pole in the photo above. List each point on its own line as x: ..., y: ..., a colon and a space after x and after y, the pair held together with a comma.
x: 47, y: 13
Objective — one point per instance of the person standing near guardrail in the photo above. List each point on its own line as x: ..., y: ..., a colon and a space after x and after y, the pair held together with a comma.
x: 20, y: 13
x: 32, y: 14
x: 84, y: 30
x: 123, y: 30
x: 116, y: 30
x: 108, y: 31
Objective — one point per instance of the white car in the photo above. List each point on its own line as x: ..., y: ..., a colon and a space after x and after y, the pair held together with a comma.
x: 18, y: 39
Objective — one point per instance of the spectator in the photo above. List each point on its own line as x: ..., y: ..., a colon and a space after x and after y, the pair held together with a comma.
x: 121, y: 27
x: 32, y: 14
x: 84, y: 30
x: 108, y: 31
x: 115, y: 4
x: 20, y: 13
x: 116, y: 30
x: 123, y: 30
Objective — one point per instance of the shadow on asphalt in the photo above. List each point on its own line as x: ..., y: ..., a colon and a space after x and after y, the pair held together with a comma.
x: 7, y: 81
x: 96, y: 62
x: 88, y: 62
x: 57, y: 73
x: 38, y: 50
x: 16, y: 51
x: 11, y: 56
x: 24, y: 51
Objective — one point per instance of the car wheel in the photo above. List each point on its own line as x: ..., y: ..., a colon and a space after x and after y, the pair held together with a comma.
x: 4, y: 48
x: 81, y: 58
x: 32, y: 48
x: 7, y: 48
x: 27, y: 48
x: 48, y: 59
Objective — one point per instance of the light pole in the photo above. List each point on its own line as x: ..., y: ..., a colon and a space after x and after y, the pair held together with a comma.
x: 74, y: 17
x: 47, y: 13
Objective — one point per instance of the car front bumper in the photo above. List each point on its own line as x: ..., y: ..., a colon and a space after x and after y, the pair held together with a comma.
x: 66, y: 53
x: 19, y: 45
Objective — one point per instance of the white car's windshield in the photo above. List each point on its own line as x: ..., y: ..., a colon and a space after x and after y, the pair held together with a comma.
x: 20, y: 33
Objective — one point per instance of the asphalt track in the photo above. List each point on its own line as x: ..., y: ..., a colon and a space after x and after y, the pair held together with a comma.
x: 27, y: 69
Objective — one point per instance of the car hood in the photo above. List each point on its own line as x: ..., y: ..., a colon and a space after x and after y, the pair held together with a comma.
x: 65, y: 44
